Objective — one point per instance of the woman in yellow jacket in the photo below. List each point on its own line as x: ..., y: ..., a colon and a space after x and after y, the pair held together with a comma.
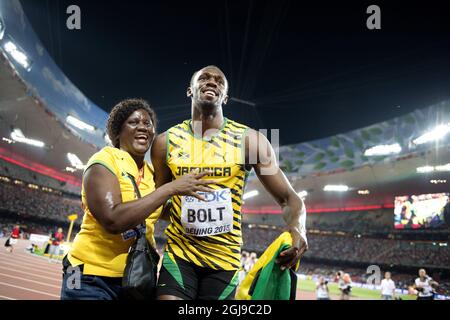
x: 113, y: 215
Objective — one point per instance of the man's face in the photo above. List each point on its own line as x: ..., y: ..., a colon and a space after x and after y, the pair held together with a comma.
x: 422, y: 273
x: 387, y: 275
x: 209, y: 88
x: 59, y: 230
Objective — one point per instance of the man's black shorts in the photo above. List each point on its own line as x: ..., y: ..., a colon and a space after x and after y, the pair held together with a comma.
x: 188, y: 281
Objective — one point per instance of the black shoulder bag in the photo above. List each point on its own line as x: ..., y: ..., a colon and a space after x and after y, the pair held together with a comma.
x: 139, y: 277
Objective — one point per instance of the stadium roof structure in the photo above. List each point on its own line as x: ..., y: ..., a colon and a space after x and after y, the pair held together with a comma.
x: 372, y: 180
x: 37, y: 98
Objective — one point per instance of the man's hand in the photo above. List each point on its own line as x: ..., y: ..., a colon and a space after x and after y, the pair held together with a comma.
x: 289, y: 258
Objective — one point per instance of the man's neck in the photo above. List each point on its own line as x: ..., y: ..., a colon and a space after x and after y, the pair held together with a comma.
x: 203, y: 121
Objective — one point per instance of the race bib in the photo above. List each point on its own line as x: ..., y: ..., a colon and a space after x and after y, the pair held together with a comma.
x: 134, y: 232
x: 207, y: 218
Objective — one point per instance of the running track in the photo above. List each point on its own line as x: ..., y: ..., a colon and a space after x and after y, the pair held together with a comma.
x: 24, y: 276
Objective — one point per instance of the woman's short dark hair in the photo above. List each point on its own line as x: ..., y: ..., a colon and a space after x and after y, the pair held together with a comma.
x: 120, y: 113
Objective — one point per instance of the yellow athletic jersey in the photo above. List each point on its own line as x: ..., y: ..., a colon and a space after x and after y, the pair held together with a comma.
x: 223, y: 154
x: 103, y: 253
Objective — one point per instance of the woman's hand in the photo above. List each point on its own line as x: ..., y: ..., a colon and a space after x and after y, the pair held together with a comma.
x: 189, y: 184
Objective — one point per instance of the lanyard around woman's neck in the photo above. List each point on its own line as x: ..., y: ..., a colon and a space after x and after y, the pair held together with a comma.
x: 141, y: 175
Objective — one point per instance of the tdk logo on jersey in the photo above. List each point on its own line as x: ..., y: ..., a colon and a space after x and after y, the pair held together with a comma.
x: 217, y: 196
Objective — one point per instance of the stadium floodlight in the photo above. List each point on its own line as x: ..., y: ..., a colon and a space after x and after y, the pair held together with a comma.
x: 363, y: 192
x: 440, y: 168
x: 337, y: 188
x: 425, y: 169
x: 17, y: 135
x: 17, y: 54
x: 107, y: 139
x: 249, y: 103
x: 79, y: 124
x: 75, y: 161
x: 443, y: 168
x: 438, y: 181
x: 8, y: 141
x: 250, y: 194
x: 2, y: 28
x: 302, y: 194
x: 437, y: 133
x: 383, y: 150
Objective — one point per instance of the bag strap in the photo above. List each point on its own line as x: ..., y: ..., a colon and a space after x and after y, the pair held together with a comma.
x: 136, y: 189
x: 138, y: 195
x: 141, y: 240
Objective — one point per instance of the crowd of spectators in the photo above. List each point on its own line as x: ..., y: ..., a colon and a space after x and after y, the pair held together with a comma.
x: 431, y: 254
x: 30, y: 202
x: 358, y: 249
x: 26, y: 201
x: 362, y: 222
x: 379, y: 251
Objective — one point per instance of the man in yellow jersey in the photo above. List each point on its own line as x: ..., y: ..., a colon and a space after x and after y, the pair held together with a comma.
x: 202, y: 256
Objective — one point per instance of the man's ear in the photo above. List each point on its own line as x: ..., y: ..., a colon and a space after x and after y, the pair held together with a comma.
x: 189, y: 92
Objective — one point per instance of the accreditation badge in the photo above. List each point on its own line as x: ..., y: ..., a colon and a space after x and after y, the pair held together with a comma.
x: 127, y: 235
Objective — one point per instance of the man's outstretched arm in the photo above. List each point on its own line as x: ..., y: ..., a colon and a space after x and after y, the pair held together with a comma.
x: 258, y: 148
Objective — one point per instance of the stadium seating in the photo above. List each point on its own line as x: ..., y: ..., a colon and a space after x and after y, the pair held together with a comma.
x: 363, y: 222
x: 13, y: 171
x: 359, y: 249
x: 25, y: 201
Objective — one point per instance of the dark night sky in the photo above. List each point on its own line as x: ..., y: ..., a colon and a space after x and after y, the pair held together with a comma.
x: 313, y: 70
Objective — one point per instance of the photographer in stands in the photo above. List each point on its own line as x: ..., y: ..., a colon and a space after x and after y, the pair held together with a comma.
x: 344, y: 284
x: 322, y: 291
x: 425, y: 286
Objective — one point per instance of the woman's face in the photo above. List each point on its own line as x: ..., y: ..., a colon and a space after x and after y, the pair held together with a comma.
x: 137, y: 133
